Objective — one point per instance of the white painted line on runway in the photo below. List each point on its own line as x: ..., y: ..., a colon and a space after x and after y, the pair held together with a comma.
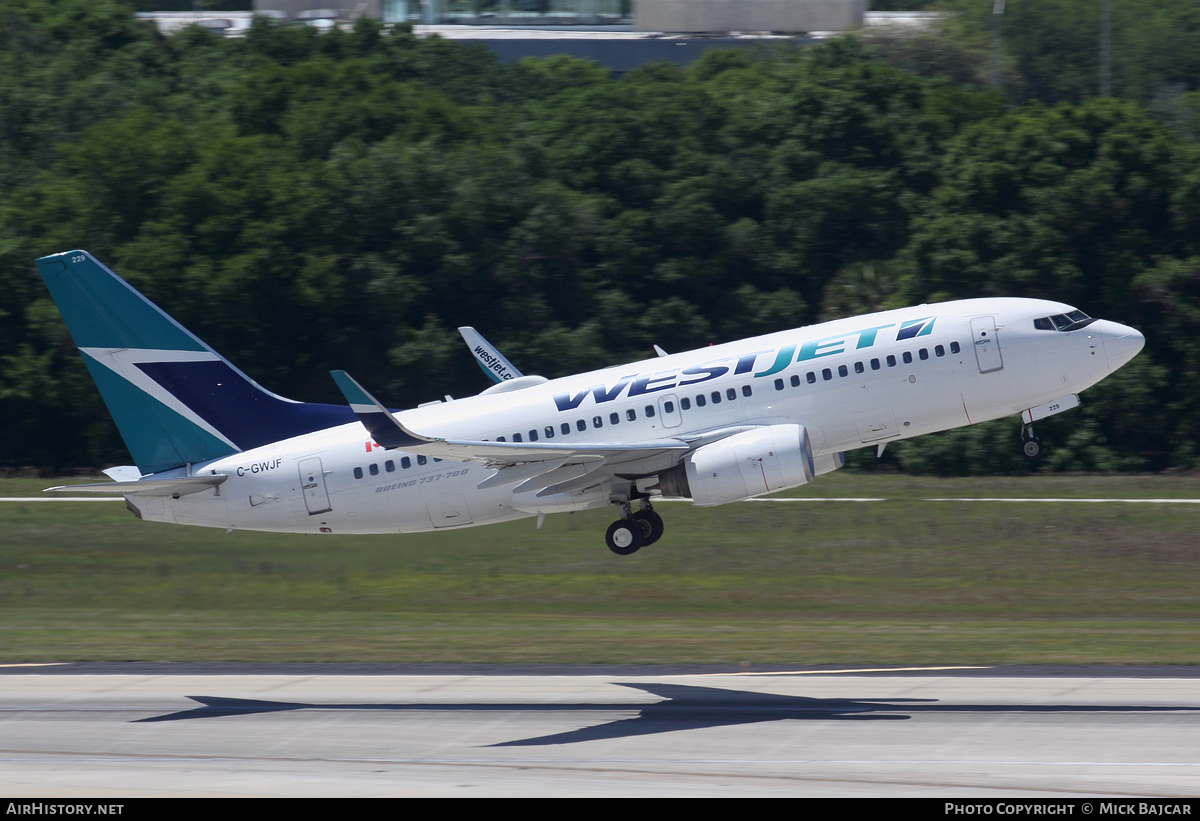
x: 786, y: 499
x: 980, y: 499
x: 821, y: 499
x: 36, y: 664
x: 62, y: 499
x: 611, y: 762
x: 1085, y: 501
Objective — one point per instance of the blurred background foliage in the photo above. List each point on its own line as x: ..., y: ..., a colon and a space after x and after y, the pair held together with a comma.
x: 305, y: 202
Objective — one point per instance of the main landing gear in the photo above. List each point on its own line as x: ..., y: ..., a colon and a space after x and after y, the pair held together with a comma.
x: 634, y: 530
x: 1031, y: 446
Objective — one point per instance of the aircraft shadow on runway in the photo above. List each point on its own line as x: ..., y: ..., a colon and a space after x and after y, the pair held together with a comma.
x: 684, y: 707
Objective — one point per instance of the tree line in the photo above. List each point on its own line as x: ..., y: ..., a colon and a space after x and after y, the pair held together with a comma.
x: 304, y: 202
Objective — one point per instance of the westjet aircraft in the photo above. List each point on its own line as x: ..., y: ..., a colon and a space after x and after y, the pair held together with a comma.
x: 715, y: 425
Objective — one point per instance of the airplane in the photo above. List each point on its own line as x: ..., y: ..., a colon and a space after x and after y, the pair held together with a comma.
x: 720, y: 424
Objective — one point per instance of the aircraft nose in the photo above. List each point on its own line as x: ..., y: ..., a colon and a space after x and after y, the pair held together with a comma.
x: 1121, y: 343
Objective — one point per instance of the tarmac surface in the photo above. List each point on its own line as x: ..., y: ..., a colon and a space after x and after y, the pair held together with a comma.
x: 128, y: 730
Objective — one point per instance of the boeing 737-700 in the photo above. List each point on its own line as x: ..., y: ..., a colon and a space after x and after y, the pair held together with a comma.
x: 715, y: 425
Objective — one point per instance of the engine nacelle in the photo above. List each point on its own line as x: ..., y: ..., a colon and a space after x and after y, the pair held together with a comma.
x: 745, y: 465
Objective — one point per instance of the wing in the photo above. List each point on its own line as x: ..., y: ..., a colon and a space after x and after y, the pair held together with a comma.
x: 547, y: 467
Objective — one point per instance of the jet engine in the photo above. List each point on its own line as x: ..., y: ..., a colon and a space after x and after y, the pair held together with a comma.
x: 747, y: 464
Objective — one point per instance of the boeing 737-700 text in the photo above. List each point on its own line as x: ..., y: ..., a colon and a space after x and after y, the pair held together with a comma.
x: 715, y: 425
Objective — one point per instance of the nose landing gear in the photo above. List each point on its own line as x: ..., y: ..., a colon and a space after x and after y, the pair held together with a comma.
x: 1031, y: 446
x: 634, y: 531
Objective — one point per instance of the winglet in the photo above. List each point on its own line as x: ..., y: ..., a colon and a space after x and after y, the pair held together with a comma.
x: 493, y: 363
x: 379, y: 422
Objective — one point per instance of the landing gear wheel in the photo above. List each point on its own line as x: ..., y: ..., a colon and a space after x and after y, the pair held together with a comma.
x: 1032, y: 448
x: 624, y: 537
x: 652, y: 526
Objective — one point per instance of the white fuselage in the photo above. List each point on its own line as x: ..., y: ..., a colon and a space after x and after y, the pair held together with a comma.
x: 945, y: 373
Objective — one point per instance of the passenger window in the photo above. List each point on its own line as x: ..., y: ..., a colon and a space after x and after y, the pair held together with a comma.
x: 812, y: 378
x: 874, y: 364
x: 649, y: 411
x: 358, y: 473
x: 826, y: 374
x: 533, y: 436
x: 778, y: 384
x: 795, y: 380
x: 938, y: 350
x: 700, y: 400
x: 597, y: 422
x: 746, y: 390
x: 923, y: 353
x: 908, y: 357
x: 389, y: 466
x: 501, y: 439
x: 614, y: 418
x: 436, y: 459
x: 581, y: 424
x: 373, y: 469
x: 730, y: 394
x: 891, y: 360
x: 517, y: 437
x: 668, y: 407
x: 685, y: 403
x: 549, y: 431
x: 421, y: 460
x: 843, y: 371
x: 565, y: 428
x: 631, y: 414
x: 405, y: 463
x: 859, y: 367
x: 954, y: 348
x: 716, y: 397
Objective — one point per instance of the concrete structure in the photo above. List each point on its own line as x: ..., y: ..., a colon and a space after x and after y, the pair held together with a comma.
x: 720, y: 16
x: 617, y: 50
x: 671, y: 16
x: 309, y: 11
x: 146, y: 730
x: 461, y: 12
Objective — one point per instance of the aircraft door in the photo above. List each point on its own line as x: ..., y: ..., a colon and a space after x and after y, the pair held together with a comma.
x: 312, y: 481
x: 987, y: 344
x: 668, y: 411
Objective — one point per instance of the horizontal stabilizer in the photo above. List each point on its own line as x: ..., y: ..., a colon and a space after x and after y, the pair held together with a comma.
x: 176, y: 486
x: 378, y: 420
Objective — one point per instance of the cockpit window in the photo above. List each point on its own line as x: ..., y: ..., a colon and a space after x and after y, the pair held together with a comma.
x: 1072, y: 321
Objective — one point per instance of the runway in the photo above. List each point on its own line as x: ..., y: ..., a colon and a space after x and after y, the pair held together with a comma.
x: 317, y: 730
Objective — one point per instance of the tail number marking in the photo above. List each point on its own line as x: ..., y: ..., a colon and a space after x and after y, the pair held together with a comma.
x: 259, y: 467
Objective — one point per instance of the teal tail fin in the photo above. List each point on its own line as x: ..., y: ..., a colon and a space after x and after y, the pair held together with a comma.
x: 174, y: 399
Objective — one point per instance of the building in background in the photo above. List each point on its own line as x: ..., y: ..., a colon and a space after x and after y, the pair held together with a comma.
x: 668, y: 16
x: 618, y: 34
